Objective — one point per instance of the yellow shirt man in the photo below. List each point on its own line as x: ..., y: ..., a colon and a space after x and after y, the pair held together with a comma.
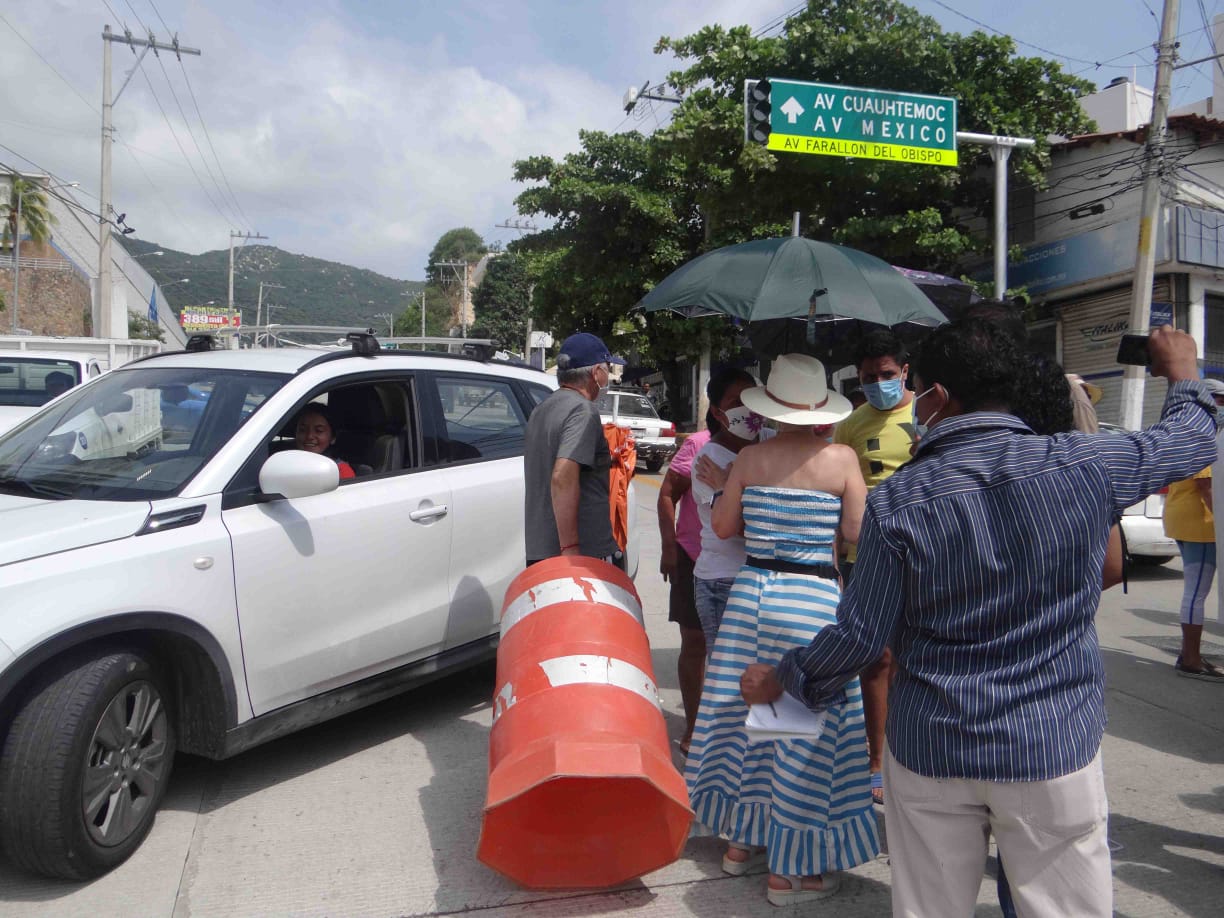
x: 882, y: 439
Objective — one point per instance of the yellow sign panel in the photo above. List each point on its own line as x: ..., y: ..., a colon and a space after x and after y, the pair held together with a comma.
x: 862, y: 149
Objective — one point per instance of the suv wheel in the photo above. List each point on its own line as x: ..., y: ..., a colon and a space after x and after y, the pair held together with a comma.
x: 85, y: 765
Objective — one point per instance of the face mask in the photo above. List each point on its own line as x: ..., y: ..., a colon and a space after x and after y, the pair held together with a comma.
x: 921, y: 429
x: 742, y: 423
x: 885, y: 394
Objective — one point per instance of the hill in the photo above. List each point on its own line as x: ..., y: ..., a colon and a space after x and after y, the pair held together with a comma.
x: 316, y: 292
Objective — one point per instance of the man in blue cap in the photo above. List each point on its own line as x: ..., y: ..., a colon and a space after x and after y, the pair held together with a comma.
x: 566, y: 462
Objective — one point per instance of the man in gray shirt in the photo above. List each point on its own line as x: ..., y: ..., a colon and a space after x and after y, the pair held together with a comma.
x: 566, y: 462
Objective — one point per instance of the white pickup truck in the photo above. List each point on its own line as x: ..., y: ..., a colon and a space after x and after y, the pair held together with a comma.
x: 35, y: 369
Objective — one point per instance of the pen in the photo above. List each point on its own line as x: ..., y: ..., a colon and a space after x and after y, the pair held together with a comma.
x: 772, y: 709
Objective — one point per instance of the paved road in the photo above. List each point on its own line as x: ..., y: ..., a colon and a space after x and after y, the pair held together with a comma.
x: 378, y: 813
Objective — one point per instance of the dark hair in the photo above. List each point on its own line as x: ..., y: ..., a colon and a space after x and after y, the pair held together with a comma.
x: 1043, y: 397
x: 977, y: 365
x: 881, y: 343
x: 1003, y: 316
x: 717, y: 387
x: 316, y: 408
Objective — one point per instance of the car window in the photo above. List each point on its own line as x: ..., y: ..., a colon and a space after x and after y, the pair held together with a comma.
x: 536, y: 393
x: 635, y: 405
x: 137, y: 434
x: 605, y: 402
x: 483, y: 418
x: 30, y: 382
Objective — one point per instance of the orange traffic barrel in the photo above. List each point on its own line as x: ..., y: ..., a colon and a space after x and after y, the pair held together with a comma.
x: 582, y: 790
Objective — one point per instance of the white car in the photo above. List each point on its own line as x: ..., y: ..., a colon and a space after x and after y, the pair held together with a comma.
x: 655, y: 438
x: 30, y: 379
x: 200, y: 585
x: 1143, y: 523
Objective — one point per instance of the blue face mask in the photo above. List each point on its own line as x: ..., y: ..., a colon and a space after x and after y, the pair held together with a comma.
x: 885, y: 394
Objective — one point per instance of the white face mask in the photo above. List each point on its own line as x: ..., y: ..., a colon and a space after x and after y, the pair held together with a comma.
x: 743, y: 423
x: 919, y: 428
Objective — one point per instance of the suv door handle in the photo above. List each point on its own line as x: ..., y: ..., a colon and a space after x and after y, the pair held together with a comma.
x: 428, y: 513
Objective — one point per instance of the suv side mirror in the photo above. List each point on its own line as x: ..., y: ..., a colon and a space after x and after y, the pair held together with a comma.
x: 297, y: 473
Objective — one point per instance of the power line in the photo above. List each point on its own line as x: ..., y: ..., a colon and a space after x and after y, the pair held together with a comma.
x: 1027, y: 44
x: 190, y: 132
x: 64, y: 79
x: 179, y: 143
x: 208, y: 137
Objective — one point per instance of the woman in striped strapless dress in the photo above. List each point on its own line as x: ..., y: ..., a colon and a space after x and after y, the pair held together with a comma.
x: 802, y: 805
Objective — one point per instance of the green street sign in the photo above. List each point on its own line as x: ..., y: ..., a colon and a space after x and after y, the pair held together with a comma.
x: 826, y: 120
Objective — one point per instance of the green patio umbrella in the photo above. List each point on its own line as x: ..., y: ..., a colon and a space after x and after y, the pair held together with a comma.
x: 793, y: 277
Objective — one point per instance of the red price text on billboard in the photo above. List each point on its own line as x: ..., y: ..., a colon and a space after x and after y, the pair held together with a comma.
x: 196, y: 320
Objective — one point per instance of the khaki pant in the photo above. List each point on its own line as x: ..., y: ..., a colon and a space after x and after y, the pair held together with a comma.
x: 1051, y: 837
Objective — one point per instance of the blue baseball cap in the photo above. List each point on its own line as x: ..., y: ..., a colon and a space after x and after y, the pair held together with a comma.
x: 586, y: 350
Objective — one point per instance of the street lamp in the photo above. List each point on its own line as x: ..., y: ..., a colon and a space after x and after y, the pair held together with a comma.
x: 181, y: 280
x: 146, y: 254
x: 19, y: 182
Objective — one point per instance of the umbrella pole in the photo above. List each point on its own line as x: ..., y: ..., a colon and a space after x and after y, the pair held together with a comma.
x: 795, y: 224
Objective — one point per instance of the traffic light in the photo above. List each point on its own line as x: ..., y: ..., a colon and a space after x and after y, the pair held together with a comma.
x: 759, y: 111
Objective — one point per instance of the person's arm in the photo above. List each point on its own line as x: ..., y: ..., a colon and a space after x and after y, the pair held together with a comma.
x: 674, y: 487
x: 564, y: 488
x: 854, y: 495
x: 727, y: 514
x: 1180, y: 444
x: 1111, y: 574
x: 866, y: 617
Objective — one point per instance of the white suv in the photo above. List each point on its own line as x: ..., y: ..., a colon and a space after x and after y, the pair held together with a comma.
x: 174, y: 575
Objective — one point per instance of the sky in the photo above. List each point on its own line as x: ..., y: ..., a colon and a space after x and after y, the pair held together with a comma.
x: 361, y: 130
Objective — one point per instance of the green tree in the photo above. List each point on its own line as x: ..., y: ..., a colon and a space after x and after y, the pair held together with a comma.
x: 143, y: 328
x: 503, y: 302
x: 459, y: 244
x: 36, y: 217
x: 437, y: 314
x: 628, y: 209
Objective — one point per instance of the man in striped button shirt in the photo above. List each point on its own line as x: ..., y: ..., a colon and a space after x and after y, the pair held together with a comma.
x: 986, y: 553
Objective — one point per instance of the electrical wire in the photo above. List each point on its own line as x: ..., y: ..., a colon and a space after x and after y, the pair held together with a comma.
x: 1210, y: 32
x: 179, y: 143
x: 1027, y: 44
x: 207, y: 136
x: 93, y: 108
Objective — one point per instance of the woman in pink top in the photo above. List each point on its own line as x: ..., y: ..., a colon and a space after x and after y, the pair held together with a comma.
x: 680, y: 530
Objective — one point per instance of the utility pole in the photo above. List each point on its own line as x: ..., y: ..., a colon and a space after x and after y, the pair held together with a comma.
x: 229, y: 302
x: 526, y: 226
x: 422, y: 313
x: 464, y: 305
x: 109, y: 324
x: 1133, y: 378
x: 259, y: 306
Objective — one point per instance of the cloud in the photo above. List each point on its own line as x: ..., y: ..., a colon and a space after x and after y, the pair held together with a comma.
x: 341, y: 135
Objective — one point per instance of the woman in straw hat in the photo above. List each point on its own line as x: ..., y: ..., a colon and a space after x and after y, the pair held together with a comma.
x: 801, y: 805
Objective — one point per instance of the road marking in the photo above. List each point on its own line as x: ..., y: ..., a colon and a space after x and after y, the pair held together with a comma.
x: 650, y: 482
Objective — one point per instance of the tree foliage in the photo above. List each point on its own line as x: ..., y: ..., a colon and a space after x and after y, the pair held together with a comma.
x: 627, y: 209
x: 36, y: 217
x: 503, y: 300
x: 437, y: 314
x: 460, y: 244
x: 143, y: 328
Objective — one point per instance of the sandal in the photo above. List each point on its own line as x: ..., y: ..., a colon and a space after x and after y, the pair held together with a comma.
x: 799, y: 893
x: 751, y: 857
x: 877, y: 788
x: 1208, y: 672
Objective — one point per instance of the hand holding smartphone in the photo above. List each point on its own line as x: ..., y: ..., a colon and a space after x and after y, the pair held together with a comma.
x: 1133, y: 351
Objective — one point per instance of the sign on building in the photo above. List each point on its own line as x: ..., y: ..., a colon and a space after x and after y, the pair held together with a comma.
x: 827, y: 120
x: 209, y: 320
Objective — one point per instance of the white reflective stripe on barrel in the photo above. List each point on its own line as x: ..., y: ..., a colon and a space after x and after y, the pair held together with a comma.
x: 569, y: 589
x: 587, y: 668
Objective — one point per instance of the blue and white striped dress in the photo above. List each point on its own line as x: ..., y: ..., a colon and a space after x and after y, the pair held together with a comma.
x: 808, y: 802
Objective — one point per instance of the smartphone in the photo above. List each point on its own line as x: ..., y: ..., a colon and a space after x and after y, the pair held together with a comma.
x: 1133, y: 350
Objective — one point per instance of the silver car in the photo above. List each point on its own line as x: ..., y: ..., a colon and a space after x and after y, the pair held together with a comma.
x: 655, y: 438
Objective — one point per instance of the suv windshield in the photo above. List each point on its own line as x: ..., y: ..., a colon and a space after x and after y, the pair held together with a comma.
x: 137, y: 434
x: 28, y: 382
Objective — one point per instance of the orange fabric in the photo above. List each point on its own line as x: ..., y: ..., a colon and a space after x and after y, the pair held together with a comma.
x: 624, y: 457
x: 346, y: 470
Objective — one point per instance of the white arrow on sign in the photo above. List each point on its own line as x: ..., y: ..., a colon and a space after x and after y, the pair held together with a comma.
x: 792, y: 109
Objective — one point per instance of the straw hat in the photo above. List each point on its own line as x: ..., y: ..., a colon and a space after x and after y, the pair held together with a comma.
x: 797, y: 393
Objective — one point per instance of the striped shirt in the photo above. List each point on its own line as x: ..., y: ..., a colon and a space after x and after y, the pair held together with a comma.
x: 980, y: 565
